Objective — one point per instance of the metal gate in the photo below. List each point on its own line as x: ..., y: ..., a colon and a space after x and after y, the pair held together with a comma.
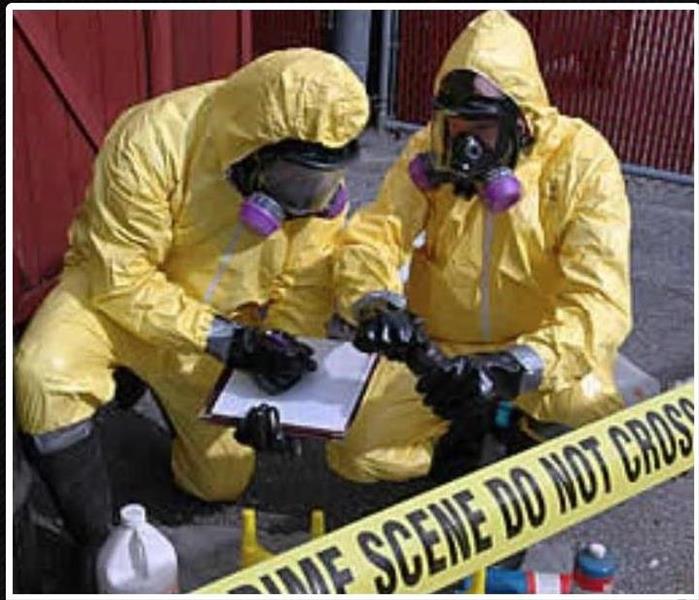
x: 73, y: 73
x: 628, y: 73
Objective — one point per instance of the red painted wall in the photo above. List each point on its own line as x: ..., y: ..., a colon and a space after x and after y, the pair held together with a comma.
x: 277, y: 29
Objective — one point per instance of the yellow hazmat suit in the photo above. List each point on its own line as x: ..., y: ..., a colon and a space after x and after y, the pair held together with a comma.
x: 552, y: 272
x: 157, y: 251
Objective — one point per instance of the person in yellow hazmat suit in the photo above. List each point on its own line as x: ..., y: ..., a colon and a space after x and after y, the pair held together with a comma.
x: 205, y: 240
x: 518, y: 299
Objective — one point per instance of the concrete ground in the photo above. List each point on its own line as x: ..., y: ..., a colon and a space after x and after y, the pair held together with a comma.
x: 653, y: 533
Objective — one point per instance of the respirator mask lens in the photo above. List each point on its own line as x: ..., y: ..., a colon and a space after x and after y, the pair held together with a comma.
x: 300, y: 189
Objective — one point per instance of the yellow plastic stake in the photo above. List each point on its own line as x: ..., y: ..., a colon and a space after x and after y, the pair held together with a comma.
x: 478, y: 582
x: 251, y: 552
x: 317, y: 523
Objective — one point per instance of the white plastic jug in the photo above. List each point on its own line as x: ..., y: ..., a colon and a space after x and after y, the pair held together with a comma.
x: 136, y: 558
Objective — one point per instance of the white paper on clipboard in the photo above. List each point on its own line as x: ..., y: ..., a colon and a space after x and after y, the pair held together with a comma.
x: 321, y: 404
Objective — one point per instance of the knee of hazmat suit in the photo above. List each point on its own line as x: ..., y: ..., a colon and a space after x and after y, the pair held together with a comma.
x: 543, y: 261
x: 162, y: 239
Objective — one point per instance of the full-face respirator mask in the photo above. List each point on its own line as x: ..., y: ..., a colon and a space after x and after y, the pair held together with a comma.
x: 475, y: 142
x: 290, y: 180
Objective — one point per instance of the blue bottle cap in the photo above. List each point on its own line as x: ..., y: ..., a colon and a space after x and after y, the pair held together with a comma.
x: 596, y: 562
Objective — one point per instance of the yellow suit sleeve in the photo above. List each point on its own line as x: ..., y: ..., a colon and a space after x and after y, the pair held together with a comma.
x: 379, y: 237
x: 592, y: 316
x: 127, y: 224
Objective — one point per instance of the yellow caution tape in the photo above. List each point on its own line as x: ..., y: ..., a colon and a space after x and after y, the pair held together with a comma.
x: 430, y: 541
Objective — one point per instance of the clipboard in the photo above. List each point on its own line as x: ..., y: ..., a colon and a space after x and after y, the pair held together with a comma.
x: 321, y: 405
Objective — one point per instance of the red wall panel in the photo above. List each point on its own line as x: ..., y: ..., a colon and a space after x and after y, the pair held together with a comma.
x: 44, y: 190
x: 208, y: 44
x: 277, y: 29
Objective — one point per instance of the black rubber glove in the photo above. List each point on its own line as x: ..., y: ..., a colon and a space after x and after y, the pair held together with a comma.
x: 464, y: 386
x: 393, y: 333
x: 276, y: 359
x: 261, y: 429
x: 463, y: 390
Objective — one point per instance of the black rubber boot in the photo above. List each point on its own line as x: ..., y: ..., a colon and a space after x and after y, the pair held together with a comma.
x: 25, y: 563
x: 129, y: 388
x: 458, y: 452
x: 79, y: 484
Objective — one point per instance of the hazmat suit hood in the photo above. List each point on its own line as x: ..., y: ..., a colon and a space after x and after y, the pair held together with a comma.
x: 497, y: 46
x: 302, y: 93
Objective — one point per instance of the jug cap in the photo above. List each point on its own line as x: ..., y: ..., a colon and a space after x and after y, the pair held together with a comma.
x: 133, y: 515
